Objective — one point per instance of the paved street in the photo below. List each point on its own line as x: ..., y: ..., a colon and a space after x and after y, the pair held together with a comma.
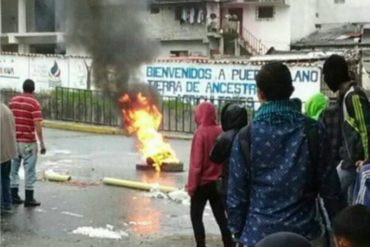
x: 139, y: 219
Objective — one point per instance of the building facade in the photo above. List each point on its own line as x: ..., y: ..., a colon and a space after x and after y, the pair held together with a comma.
x: 32, y: 26
x: 188, y: 27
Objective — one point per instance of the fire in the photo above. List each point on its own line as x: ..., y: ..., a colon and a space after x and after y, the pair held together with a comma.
x: 143, y: 119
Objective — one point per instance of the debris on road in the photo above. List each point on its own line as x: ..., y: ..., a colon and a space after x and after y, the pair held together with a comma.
x: 72, y: 214
x: 56, y: 177
x: 180, y: 196
x: 100, y: 232
x: 137, y: 185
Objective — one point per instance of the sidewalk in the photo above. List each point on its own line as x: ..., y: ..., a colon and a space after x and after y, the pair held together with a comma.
x: 103, y: 130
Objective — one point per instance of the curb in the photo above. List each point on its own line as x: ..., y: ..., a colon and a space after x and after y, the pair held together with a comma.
x: 103, y: 130
x: 80, y: 127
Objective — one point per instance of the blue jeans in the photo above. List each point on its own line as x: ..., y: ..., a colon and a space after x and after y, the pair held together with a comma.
x: 5, y: 185
x: 347, y: 182
x: 26, y: 152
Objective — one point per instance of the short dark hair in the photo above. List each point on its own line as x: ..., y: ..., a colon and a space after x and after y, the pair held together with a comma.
x: 275, y: 81
x: 284, y: 239
x: 353, y: 224
x: 28, y: 86
x: 336, y: 66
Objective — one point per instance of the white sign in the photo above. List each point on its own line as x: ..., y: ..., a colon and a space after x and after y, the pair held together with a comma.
x: 170, y: 79
x: 47, y: 72
x: 222, y: 81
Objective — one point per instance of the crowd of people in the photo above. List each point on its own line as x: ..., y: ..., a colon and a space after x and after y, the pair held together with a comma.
x: 289, y: 178
x: 20, y: 123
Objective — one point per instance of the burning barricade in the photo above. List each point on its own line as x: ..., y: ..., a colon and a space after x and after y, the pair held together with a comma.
x: 142, y: 118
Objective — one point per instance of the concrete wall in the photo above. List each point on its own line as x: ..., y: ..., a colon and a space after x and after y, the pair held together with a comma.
x: 60, y: 16
x: 163, y: 26
x: 303, y: 18
x: 194, y: 47
x: 30, y: 16
x: 76, y: 50
x: 274, y: 32
x: 350, y: 11
x: 9, y: 16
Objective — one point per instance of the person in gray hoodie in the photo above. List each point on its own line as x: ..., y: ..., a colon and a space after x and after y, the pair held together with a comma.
x: 8, y: 152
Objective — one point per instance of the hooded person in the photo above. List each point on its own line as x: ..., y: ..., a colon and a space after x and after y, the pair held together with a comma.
x: 233, y: 118
x: 315, y: 105
x: 203, y: 174
x: 284, y: 239
x: 354, y: 115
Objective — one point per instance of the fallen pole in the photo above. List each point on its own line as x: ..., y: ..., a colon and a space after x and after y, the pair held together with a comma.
x: 55, y: 177
x: 137, y: 185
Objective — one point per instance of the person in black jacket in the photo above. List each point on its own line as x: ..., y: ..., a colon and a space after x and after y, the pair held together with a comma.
x: 354, y: 113
x: 233, y: 118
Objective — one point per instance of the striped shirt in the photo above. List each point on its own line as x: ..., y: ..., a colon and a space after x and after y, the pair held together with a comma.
x: 26, y: 110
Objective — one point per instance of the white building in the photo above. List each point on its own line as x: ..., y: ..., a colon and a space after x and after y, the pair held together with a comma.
x: 189, y: 27
x: 262, y: 24
x: 343, y: 11
x: 31, y: 26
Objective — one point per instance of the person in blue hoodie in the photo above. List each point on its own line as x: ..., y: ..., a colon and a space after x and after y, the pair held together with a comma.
x: 275, y: 188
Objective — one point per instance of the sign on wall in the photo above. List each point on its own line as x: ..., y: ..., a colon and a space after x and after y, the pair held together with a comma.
x: 47, y: 72
x: 222, y: 81
x: 169, y: 79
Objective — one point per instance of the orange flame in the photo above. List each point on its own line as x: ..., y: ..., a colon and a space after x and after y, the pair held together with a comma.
x: 143, y: 119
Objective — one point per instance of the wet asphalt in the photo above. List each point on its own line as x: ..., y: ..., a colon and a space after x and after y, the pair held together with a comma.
x: 86, y: 202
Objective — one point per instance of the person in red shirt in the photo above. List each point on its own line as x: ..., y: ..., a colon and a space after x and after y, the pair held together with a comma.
x: 203, y: 174
x: 27, y: 113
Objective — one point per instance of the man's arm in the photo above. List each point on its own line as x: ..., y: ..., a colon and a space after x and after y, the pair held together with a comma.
x: 196, y: 161
x: 237, y: 201
x: 38, y: 127
x: 37, y: 119
x: 358, y: 108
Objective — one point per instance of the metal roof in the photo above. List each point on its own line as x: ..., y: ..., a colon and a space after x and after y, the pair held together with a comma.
x: 333, y: 35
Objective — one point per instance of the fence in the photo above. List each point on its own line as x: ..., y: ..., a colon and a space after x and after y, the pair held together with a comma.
x: 98, y: 108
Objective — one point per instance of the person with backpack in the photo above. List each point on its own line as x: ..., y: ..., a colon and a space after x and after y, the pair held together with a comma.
x: 203, y: 176
x: 278, y: 167
x: 354, y: 111
x: 233, y: 118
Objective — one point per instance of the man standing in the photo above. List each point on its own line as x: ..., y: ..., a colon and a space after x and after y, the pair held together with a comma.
x: 27, y: 112
x: 354, y: 112
x: 8, y: 152
x: 278, y: 168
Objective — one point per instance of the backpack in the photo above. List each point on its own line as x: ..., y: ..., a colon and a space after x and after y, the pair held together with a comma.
x: 311, y: 131
x: 362, y: 187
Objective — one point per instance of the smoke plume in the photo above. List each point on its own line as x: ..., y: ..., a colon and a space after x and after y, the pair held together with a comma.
x: 113, y: 33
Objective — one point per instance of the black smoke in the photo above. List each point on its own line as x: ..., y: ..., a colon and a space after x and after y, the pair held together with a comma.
x: 113, y: 32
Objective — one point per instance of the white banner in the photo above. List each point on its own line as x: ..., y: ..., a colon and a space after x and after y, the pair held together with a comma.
x: 222, y: 81
x: 170, y: 79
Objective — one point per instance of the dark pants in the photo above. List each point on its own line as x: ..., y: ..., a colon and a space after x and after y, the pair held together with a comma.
x: 198, y: 202
x: 5, y: 185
